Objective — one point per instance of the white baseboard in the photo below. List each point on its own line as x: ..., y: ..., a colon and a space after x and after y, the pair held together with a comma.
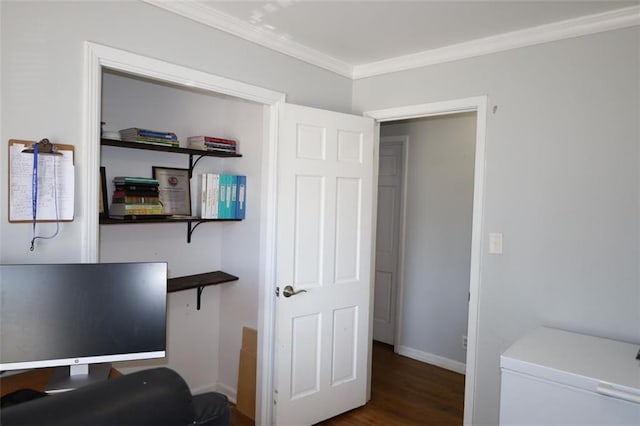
x: 449, y: 364
x: 231, y: 393
x: 204, y: 389
x: 217, y: 387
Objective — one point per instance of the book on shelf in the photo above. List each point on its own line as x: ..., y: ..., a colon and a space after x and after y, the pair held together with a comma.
x: 154, y: 137
x: 135, y: 181
x: 138, y: 216
x: 128, y: 209
x: 211, y: 139
x: 202, y: 190
x: 213, y: 186
x: 222, y: 196
x: 209, y: 143
x: 232, y: 196
x: 209, y: 187
x: 136, y: 191
x: 209, y: 147
x: 135, y: 196
x: 136, y: 131
x: 241, y: 197
x: 135, y: 199
x: 152, y: 141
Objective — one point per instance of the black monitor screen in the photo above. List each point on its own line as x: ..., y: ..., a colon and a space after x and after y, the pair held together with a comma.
x: 53, y: 313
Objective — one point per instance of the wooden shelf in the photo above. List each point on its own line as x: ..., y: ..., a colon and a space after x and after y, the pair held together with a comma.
x: 191, y: 221
x: 170, y: 219
x: 163, y: 148
x: 199, y: 281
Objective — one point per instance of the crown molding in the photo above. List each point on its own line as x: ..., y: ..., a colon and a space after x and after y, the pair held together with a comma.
x: 591, y: 24
x: 585, y: 25
x: 230, y: 24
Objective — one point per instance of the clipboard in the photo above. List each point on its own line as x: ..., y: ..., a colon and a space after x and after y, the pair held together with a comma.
x: 56, y: 182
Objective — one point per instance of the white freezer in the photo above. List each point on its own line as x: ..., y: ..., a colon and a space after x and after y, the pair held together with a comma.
x: 555, y: 377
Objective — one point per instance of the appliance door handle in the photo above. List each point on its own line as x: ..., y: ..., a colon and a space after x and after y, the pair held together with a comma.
x: 614, y: 392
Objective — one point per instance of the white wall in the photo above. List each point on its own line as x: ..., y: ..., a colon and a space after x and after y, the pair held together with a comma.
x: 562, y: 185
x: 437, y: 249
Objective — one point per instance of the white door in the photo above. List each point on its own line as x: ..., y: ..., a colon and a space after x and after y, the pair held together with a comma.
x: 390, y: 175
x: 324, y: 238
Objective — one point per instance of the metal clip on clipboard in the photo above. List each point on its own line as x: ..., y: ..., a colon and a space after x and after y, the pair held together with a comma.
x: 44, y: 148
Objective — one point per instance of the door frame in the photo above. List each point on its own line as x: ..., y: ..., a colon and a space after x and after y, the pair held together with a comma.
x: 476, y: 104
x: 98, y: 57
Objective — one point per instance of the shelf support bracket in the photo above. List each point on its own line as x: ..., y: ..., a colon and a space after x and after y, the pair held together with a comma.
x: 192, y: 163
x: 200, y: 289
x: 190, y: 229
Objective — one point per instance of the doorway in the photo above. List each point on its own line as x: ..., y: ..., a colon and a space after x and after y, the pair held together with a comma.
x: 477, y: 105
x: 436, y: 238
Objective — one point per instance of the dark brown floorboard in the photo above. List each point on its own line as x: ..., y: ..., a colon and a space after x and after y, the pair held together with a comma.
x: 405, y: 392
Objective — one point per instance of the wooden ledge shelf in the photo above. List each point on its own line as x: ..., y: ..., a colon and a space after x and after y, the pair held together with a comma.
x: 199, y: 282
x: 191, y: 221
x: 164, y: 148
x: 195, y: 155
x: 170, y: 219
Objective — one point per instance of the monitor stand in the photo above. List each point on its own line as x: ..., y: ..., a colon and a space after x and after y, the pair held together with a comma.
x: 67, y: 378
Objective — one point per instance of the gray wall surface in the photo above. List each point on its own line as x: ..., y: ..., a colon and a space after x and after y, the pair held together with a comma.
x: 562, y: 185
x: 437, y: 250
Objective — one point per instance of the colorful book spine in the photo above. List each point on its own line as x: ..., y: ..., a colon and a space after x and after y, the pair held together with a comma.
x: 211, y: 139
x: 213, y: 187
x: 153, y: 141
x: 222, y: 199
x: 202, y: 190
x: 135, y: 131
x: 232, y: 197
x: 136, y: 199
x: 154, y: 134
x: 129, y: 180
x: 241, y: 197
x: 122, y: 209
x: 132, y: 190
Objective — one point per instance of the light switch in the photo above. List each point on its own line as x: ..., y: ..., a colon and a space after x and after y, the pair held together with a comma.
x: 495, y: 243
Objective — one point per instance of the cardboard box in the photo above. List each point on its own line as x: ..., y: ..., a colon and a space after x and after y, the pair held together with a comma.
x: 246, y: 397
x: 250, y: 340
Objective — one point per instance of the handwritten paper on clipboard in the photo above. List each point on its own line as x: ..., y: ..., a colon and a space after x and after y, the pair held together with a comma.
x: 55, y: 192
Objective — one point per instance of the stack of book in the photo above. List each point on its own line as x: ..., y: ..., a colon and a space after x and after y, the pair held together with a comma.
x: 222, y: 196
x: 210, y: 143
x: 136, y: 198
x: 135, y: 134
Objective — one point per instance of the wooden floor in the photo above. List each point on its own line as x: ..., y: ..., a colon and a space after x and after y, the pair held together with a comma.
x: 405, y: 392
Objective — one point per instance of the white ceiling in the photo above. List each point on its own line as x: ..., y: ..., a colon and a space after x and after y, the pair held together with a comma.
x: 362, y: 38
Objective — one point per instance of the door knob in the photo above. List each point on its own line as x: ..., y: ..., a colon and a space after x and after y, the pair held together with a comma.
x: 288, y: 291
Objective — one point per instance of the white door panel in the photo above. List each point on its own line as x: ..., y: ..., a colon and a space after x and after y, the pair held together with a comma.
x: 390, y: 177
x: 324, y: 226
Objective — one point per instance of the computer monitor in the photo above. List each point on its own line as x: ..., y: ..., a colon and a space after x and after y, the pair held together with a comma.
x: 81, y: 317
